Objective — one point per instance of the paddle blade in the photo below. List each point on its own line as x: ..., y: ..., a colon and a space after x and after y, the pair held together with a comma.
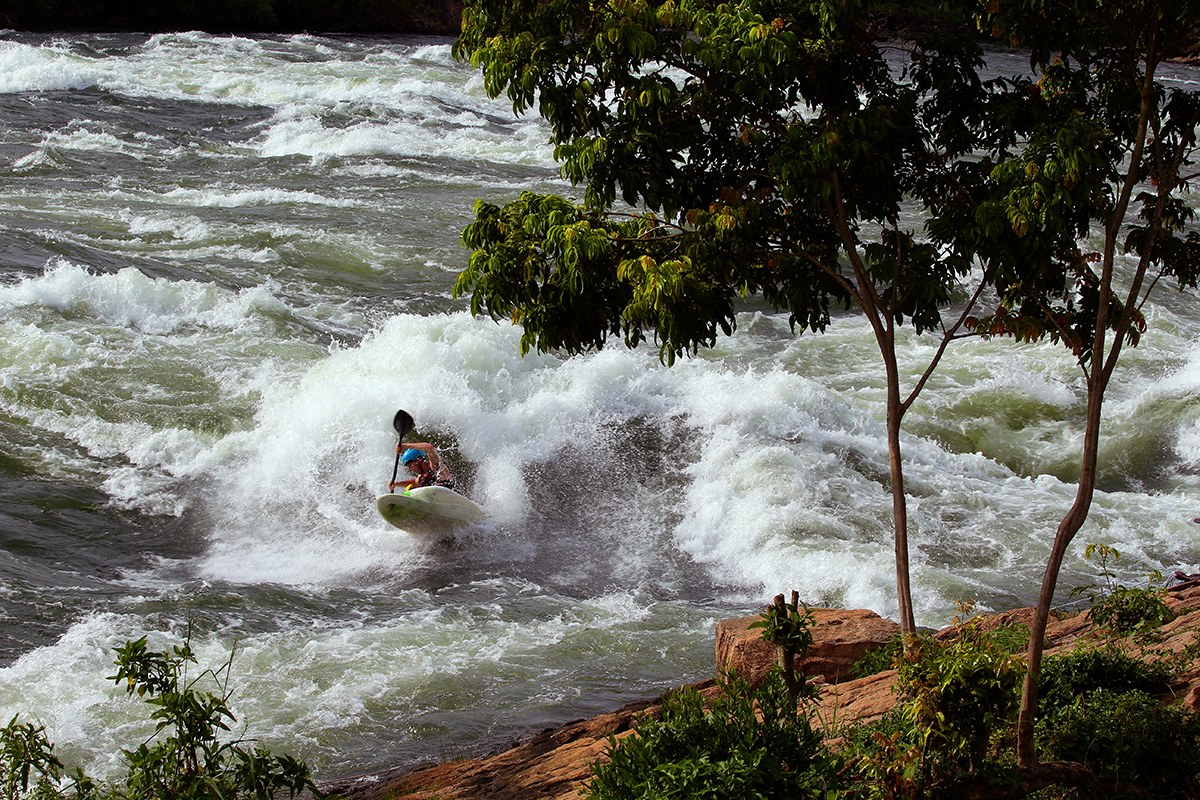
x: 403, y: 423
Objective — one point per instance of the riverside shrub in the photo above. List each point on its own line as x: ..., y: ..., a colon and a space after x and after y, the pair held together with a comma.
x: 1133, y: 744
x: 1102, y: 707
x: 1067, y: 678
x: 880, y: 659
x: 1123, y: 610
x: 190, y: 761
x: 957, y: 696
x: 728, y: 752
x: 26, y: 754
x: 791, y: 632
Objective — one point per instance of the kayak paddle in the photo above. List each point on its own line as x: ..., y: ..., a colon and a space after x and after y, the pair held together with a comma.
x: 403, y: 423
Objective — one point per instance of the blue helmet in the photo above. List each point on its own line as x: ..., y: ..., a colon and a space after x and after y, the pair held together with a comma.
x: 411, y: 455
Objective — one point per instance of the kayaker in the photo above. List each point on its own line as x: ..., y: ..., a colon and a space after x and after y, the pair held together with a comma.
x: 425, y: 464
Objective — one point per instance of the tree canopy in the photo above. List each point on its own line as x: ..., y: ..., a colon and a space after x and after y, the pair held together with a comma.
x: 726, y: 150
x: 765, y: 148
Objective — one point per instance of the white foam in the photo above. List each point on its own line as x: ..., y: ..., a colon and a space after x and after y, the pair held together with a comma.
x: 171, y: 340
x: 307, y: 135
x: 26, y: 68
x: 66, y: 685
x: 409, y: 100
x: 259, y: 197
x: 786, y: 486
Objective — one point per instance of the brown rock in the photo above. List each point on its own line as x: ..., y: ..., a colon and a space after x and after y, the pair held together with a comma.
x: 863, y: 700
x: 551, y: 766
x: 839, y: 639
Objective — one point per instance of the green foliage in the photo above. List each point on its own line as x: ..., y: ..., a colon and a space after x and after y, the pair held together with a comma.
x: 791, y: 632
x: 1082, y: 167
x: 1104, y: 708
x: 1010, y: 638
x: 1101, y: 707
x: 786, y: 627
x: 1120, y: 610
x: 189, y: 762
x: 1135, y: 745
x: 750, y: 744
x: 880, y: 659
x: 770, y: 149
x: 1131, y: 611
x: 25, y: 752
x: 1066, y: 678
x: 955, y: 696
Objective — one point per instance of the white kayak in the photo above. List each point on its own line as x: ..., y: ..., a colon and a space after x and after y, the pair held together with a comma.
x: 427, y: 507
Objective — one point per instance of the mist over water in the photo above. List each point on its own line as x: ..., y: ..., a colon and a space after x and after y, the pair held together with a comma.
x: 226, y: 262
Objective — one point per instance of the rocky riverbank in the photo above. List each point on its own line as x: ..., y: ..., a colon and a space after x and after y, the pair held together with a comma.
x: 554, y: 764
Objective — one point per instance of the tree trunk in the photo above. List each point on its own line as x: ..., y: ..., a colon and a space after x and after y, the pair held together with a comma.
x: 786, y: 656
x: 881, y: 317
x: 1103, y: 362
x: 908, y: 625
x: 886, y: 338
x: 1070, y: 525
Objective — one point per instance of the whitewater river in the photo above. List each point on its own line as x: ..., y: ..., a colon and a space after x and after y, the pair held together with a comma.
x: 226, y: 262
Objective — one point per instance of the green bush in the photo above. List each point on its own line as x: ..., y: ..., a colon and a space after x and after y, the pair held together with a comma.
x: 1127, y: 611
x: 957, y: 693
x: 1010, y: 638
x: 1065, y: 678
x: 1101, y: 707
x: 955, y: 697
x: 1135, y: 745
x: 727, y: 753
x: 188, y: 762
x: 790, y: 631
x: 878, y: 660
x: 191, y: 763
x: 1121, y: 610
x: 26, y: 754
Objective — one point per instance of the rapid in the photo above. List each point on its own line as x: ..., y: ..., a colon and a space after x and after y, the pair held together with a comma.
x: 226, y: 262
